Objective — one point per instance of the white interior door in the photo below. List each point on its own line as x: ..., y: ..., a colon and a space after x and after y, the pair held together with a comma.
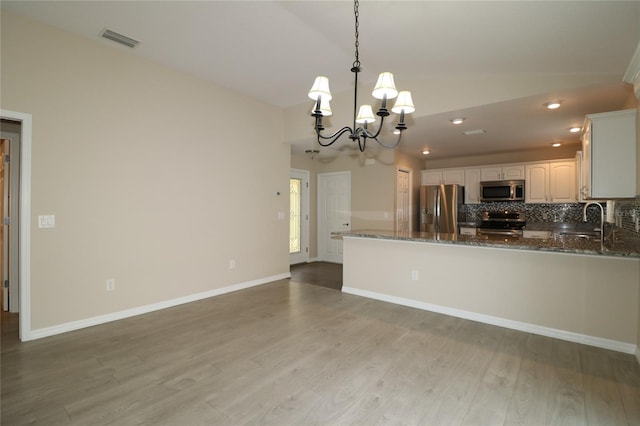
x: 403, y: 201
x: 298, y: 216
x: 334, y: 213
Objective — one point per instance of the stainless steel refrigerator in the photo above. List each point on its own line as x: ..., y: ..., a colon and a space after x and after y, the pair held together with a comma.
x: 439, y: 208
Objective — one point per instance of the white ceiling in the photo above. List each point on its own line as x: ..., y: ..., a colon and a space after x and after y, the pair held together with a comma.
x: 272, y: 50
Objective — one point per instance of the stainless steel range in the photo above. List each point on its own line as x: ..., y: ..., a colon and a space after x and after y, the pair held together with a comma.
x: 504, y: 223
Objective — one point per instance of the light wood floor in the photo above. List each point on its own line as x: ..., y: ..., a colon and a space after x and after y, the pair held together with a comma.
x: 324, y: 274
x: 288, y: 353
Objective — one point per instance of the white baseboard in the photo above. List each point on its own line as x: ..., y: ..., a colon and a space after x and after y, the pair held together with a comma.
x: 102, y: 319
x: 599, y: 342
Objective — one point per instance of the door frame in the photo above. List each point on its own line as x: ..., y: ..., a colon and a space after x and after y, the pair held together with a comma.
x: 25, y: 219
x: 322, y: 255
x: 410, y: 190
x: 304, y: 177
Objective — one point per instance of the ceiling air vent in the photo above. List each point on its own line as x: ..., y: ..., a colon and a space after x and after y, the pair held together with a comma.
x: 475, y: 132
x: 119, y: 38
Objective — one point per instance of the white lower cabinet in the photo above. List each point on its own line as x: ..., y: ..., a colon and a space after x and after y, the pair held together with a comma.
x: 538, y: 235
x: 467, y: 231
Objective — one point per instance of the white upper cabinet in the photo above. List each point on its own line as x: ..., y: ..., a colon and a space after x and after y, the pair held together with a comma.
x: 472, y: 186
x: 537, y: 183
x: 443, y: 176
x: 562, y: 182
x: 609, y: 155
x: 507, y: 172
x: 551, y: 182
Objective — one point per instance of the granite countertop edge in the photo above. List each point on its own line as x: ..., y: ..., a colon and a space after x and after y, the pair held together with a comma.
x: 569, y: 245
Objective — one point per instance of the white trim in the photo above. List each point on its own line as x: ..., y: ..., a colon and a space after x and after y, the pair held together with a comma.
x: 632, y: 75
x: 102, y: 319
x: 411, y: 215
x: 305, y: 234
x: 501, y: 322
x: 25, y: 219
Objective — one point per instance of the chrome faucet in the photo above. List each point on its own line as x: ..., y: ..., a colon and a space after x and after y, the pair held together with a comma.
x: 584, y: 217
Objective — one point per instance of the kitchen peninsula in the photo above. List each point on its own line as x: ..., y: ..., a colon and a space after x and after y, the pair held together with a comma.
x: 569, y: 288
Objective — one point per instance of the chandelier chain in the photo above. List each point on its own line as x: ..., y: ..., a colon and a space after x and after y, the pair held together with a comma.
x: 356, y: 4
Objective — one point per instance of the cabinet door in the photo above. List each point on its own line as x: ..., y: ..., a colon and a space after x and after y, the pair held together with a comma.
x: 431, y: 177
x: 562, y: 182
x: 537, y: 183
x: 513, y: 172
x: 490, y: 173
x: 472, y: 186
x: 585, y: 164
x: 451, y: 176
x: 613, y: 154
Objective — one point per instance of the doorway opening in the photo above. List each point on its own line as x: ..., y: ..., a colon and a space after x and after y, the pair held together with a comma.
x: 16, y: 126
x: 10, y: 132
x: 404, y: 218
x: 298, y: 216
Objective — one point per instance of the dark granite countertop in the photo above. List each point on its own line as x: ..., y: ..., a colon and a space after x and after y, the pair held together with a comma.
x: 557, y: 243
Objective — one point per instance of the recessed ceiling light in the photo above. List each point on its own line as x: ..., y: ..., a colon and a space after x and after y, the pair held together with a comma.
x: 426, y: 152
x: 458, y: 120
x: 575, y: 129
x: 552, y: 105
x: 556, y: 144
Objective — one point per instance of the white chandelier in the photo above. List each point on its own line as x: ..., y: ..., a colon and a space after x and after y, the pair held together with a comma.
x: 385, y: 89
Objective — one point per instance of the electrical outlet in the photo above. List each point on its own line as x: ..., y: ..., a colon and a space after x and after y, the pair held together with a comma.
x: 232, y: 264
x: 111, y: 284
x: 414, y: 275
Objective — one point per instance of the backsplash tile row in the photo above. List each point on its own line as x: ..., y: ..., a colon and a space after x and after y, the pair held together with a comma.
x: 569, y: 212
x: 624, y: 212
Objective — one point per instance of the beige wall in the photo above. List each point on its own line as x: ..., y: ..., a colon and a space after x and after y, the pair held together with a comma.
x: 592, y: 296
x: 157, y: 179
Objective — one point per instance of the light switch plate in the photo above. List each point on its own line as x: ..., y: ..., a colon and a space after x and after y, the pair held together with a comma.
x: 46, y: 221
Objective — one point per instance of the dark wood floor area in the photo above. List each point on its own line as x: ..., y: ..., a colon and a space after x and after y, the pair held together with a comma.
x: 287, y: 353
x: 323, y: 274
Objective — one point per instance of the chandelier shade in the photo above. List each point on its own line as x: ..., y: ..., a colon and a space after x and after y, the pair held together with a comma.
x: 365, y: 115
x: 320, y: 89
x: 384, y: 90
x: 385, y: 87
x: 404, y: 103
x: 325, y: 108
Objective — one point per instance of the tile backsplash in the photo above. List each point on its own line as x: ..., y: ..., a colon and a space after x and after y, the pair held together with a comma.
x: 569, y: 212
x: 625, y: 211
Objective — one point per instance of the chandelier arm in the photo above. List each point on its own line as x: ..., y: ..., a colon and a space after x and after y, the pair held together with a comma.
x: 362, y: 144
x: 333, y: 137
x: 395, y: 144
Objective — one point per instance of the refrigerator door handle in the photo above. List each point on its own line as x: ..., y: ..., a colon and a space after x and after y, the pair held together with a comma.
x: 437, y: 207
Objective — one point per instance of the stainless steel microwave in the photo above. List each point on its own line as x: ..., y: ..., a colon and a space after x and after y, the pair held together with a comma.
x: 502, y: 190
